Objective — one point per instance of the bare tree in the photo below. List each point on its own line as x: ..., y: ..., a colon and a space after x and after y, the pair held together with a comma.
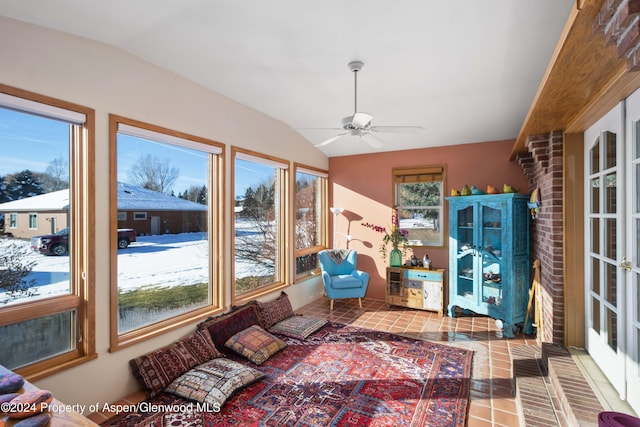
x: 153, y: 173
x: 56, y: 176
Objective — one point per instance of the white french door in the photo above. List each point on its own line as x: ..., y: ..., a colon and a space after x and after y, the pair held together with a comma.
x: 630, y: 265
x: 612, y: 237
x: 604, y: 242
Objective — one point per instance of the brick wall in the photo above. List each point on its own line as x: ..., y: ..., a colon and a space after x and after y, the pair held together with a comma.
x: 619, y: 20
x: 542, y: 165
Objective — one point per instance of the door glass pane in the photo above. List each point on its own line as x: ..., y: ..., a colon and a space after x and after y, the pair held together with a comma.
x: 610, y: 193
x: 595, y: 275
x: 612, y: 328
x: 637, y: 263
x: 595, y: 315
x: 636, y: 150
x: 465, y: 275
x: 637, y: 300
x: 465, y: 229
x: 595, y: 235
x: 610, y: 150
x: 595, y: 195
x: 492, y: 279
x: 595, y: 157
x: 611, y: 283
x: 34, y: 340
x: 466, y: 250
x: 610, y: 237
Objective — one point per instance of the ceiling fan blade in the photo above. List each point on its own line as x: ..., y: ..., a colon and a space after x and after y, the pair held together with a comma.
x: 330, y: 140
x: 361, y: 120
x: 373, y: 140
x: 317, y: 129
x: 397, y: 129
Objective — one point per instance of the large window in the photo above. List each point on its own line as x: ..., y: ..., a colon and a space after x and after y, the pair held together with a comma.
x: 46, y: 296
x: 166, y: 197
x: 418, y: 195
x: 311, y: 218
x: 260, y: 189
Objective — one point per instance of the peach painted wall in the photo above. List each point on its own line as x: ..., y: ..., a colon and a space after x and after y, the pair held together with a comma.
x: 361, y: 184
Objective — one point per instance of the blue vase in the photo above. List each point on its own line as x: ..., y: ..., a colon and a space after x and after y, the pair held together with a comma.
x: 395, y: 258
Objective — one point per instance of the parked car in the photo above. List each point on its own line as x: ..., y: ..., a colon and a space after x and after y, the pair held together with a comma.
x: 58, y: 243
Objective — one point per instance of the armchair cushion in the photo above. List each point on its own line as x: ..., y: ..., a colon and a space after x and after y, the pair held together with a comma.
x: 345, y: 281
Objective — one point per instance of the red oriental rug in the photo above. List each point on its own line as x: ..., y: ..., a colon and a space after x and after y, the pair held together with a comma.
x: 339, y: 376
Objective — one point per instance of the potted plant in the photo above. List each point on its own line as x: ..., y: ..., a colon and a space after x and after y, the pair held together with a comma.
x: 396, y: 237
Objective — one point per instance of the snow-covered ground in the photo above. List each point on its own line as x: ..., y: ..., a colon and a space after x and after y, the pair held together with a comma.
x: 164, y: 260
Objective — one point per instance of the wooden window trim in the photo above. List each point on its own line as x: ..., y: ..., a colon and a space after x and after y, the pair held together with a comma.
x: 216, y: 223
x: 321, y: 173
x: 282, y: 244
x: 82, y: 261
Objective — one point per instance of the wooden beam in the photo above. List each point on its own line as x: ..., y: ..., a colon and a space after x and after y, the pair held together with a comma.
x: 584, y: 78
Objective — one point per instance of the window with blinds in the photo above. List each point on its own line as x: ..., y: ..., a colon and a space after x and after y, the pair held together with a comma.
x: 418, y: 196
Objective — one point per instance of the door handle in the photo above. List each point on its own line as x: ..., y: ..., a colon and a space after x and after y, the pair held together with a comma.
x: 625, y: 264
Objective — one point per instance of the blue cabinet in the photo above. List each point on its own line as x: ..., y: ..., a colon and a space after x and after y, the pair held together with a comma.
x: 489, y: 257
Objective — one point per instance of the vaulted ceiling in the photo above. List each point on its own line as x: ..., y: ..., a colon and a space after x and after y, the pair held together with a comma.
x: 465, y: 71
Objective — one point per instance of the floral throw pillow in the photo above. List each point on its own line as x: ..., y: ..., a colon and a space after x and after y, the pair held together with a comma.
x: 255, y: 344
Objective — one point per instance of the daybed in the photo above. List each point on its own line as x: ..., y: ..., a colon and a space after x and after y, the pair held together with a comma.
x: 263, y: 365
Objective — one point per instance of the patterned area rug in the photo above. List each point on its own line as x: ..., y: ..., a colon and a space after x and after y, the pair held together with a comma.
x: 339, y: 376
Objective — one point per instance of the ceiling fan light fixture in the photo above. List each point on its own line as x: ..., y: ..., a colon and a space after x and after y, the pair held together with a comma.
x: 358, y: 121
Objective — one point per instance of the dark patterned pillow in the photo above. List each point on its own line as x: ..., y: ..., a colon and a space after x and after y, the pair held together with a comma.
x: 255, y: 344
x: 201, y: 346
x: 157, y: 369
x: 212, y: 383
x: 223, y: 327
x: 274, y: 311
x: 299, y: 327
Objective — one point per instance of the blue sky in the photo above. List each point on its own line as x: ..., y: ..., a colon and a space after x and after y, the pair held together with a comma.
x: 32, y: 142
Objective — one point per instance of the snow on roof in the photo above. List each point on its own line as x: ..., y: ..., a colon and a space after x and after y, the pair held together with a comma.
x: 54, y: 201
x: 130, y: 197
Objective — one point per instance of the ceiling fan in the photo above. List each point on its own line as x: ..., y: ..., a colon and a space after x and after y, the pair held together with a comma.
x: 359, y: 124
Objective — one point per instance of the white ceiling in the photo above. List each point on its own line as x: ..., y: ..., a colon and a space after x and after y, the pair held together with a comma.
x: 465, y: 70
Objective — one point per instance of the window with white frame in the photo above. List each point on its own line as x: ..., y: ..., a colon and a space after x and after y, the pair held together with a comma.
x: 33, y: 221
x: 170, y: 275
x: 260, y: 190
x: 418, y: 195
x: 139, y: 216
x: 45, y: 319
x: 311, y: 207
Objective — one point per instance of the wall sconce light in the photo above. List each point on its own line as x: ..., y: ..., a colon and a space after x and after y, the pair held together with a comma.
x: 336, y: 211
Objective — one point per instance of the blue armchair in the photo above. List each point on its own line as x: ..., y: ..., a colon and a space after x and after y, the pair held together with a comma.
x: 340, y: 277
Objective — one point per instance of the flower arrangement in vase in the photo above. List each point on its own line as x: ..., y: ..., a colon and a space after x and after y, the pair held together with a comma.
x: 396, y: 237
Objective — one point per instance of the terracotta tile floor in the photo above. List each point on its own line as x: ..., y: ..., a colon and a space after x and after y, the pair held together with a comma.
x: 492, y: 394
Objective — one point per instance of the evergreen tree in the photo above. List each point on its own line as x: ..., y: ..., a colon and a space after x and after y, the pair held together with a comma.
x: 20, y: 185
